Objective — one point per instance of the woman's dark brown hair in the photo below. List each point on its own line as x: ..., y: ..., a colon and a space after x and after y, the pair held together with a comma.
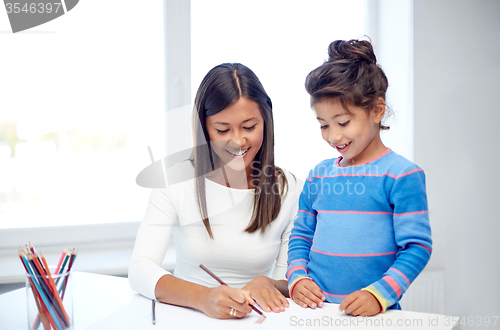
x: 350, y: 75
x: 221, y: 87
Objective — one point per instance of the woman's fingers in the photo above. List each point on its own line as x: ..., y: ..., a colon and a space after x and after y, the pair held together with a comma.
x: 225, y: 299
x: 270, y: 300
x: 265, y: 293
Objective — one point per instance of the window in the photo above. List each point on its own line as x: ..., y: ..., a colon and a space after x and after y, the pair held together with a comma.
x: 281, y: 41
x: 82, y: 99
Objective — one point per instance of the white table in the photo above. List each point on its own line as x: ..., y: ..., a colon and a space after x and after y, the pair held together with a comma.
x: 107, y: 302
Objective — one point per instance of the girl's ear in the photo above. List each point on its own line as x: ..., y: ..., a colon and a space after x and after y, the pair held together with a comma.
x: 379, y: 110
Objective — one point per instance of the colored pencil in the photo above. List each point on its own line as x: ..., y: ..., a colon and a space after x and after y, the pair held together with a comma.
x: 54, y: 291
x: 54, y: 321
x: 48, y: 300
x: 68, y: 254
x: 222, y: 283
x: 36, y: 295
x: 154, y: 316
x: 60, y: 261
x: 73, y: 257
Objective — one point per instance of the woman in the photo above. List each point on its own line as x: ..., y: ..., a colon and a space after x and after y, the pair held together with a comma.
x: 234, y: 217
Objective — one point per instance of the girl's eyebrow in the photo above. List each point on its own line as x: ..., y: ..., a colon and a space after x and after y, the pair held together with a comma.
x: 244, y: 121
x: 337, y: 115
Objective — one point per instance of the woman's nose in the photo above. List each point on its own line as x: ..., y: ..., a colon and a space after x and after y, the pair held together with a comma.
x: 238, y: 138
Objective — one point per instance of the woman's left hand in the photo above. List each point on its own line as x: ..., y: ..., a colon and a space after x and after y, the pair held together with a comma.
x: 264, y: 292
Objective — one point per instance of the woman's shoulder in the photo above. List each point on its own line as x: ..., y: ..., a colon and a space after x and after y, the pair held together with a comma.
x: 294, y: 183
x: 182, y: 172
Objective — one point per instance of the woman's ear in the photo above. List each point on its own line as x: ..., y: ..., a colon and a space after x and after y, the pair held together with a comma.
x: 379, y: 110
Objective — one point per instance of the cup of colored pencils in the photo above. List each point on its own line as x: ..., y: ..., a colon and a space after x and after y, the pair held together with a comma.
x: 49, y: 290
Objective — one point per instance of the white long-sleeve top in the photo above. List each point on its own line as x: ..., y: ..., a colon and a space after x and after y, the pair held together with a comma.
x: 234, y: 255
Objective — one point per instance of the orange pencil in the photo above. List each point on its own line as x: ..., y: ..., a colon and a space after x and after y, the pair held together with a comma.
x: 55, y: 293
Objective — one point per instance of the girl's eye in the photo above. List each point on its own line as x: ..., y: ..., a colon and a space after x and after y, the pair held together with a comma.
x: 250, y: 128
x: 323, y: 126
x: 344, y: 124
x: 222, y: 132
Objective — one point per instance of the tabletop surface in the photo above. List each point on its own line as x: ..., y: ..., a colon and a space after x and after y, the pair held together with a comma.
x: 108, y: 302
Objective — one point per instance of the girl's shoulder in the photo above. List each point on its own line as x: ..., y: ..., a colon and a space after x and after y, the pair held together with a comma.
x: 397, y: 164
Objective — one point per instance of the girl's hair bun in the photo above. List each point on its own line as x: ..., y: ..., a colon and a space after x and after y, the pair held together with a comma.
x: 351, y: 51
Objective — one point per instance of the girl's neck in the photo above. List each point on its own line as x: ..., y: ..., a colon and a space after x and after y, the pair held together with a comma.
x: 372, y: 151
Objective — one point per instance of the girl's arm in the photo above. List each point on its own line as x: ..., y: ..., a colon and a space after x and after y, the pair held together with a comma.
x: 412, y: 233
x: 301, y: 239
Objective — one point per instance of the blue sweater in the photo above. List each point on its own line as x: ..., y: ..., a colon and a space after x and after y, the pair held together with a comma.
x: 362, y: 227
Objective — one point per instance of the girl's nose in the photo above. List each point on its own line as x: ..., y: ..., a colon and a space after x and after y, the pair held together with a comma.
x: 334, y: 137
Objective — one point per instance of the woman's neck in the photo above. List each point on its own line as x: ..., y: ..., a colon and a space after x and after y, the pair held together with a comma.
x: 229, y: 177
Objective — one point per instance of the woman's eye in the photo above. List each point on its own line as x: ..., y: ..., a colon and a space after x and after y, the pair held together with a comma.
x: 344, y: 124
x: 323, y: 126
x: 250, y: 128
x: 222, y: 132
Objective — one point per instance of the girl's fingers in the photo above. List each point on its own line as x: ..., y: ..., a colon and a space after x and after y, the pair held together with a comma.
x: 314, y: 289
x: 314, y: 295
x: 307, y: 298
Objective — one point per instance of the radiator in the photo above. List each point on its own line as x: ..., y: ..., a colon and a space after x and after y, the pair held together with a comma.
x: 426, y: 293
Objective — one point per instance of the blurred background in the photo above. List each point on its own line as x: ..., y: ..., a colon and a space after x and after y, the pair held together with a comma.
x: 83, y: 96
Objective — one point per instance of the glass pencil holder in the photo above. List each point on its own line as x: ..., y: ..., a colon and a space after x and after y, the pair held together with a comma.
x: 50, y: 300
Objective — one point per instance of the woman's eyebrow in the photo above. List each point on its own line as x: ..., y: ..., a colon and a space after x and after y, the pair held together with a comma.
x: 244, y: 121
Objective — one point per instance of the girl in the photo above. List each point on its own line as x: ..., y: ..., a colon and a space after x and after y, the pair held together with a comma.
x: 234, y: 215
x: 362, y: 234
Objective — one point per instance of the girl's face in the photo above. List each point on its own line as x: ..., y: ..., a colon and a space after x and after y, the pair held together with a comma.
x: 354, y: 133
x: 236, y: 133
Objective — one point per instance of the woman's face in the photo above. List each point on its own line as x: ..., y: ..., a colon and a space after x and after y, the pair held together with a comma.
x: 236, y: 133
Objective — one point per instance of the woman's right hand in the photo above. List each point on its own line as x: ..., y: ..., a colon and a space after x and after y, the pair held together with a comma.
x: 218, y: 302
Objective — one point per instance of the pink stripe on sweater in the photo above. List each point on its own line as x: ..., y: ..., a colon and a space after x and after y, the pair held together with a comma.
x: 294, y: 269
x: 354, y: 255
x: 365, y: 174
x: 394, y: 285
x: 307, y: 239
x: 404, y: 276
x: 307, y: 212
x: 410, y: 172
x: 355, y: 212
x: 337, y: 162
x: 410, y: 213
x: 425, y: 247
x: 297, y: 261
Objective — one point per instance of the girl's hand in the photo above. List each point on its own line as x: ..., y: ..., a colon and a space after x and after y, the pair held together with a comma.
x: 306, y: 293
x: 219, y: 301
x: 263, y: 290
x: 360, y: 303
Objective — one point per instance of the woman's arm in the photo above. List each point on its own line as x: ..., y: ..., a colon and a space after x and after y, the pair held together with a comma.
x: 214, y: 302
x: 147, y: 277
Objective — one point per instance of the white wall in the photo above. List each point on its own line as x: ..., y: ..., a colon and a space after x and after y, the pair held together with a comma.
x: 389, y: 26
x: 456, y: 127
